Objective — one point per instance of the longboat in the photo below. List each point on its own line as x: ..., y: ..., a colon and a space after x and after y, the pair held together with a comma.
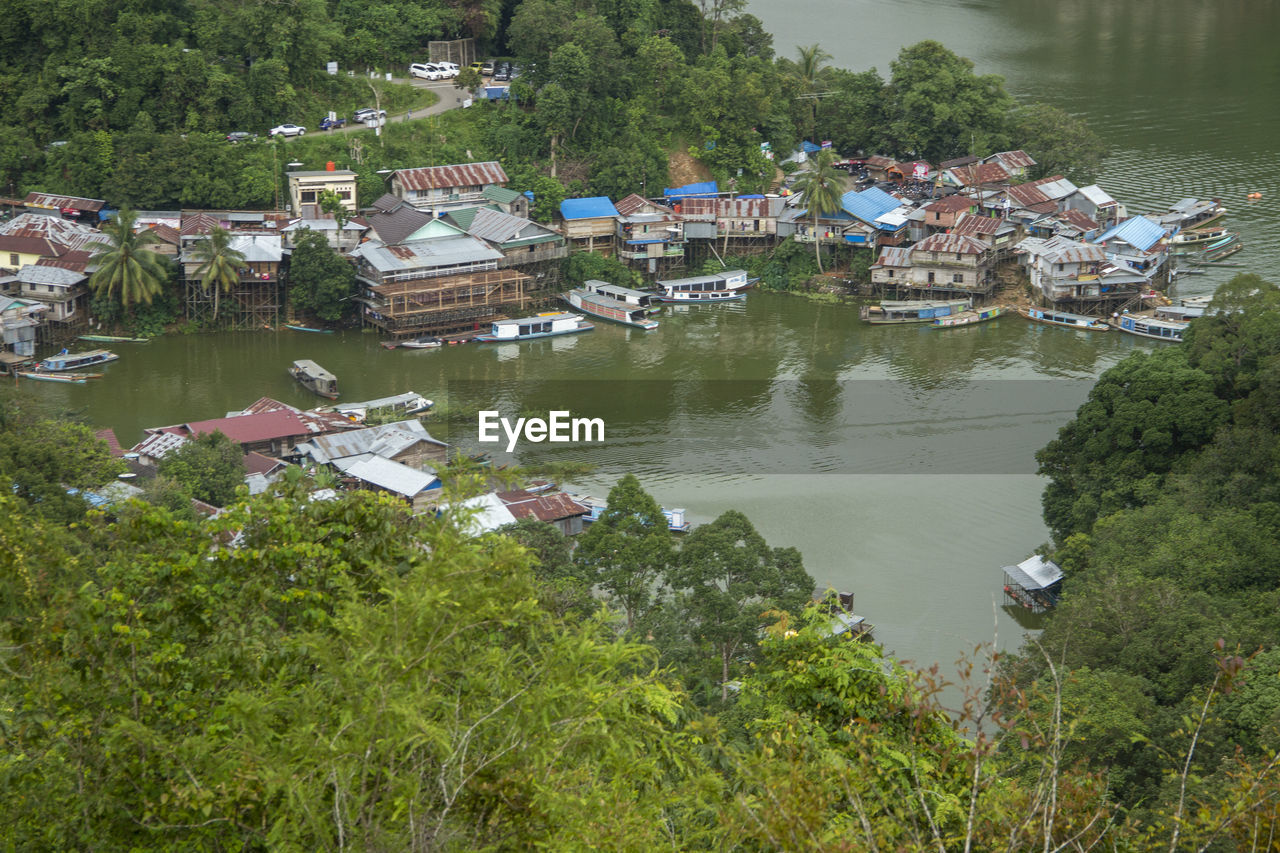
x: 1151, y: 327
x: 308, y: 329
x: 542, y: 326
x: 113, y: 339
x: 912, y: 311
x: 315, y: 378
x: 609, y: 308
x: 724, y: 286
x: 69, y: 379
x: 1194, y: 239
x: 406, y: 405
x: 1064, y: 319
x: 968, y: 318
x: 423, y: 342
x: 76, y: 360
x: 1192, y: 213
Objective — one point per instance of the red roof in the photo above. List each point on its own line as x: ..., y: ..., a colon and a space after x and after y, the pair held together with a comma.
x: 1078, y: 219
x: 951, y: 204
x: 74, y: 261
x: 64, y: 202
x: 257, y: 463
x: 113, y: 444
x: 440, y: 177
x: 29, y: 245
x: 246, y: 429
x: 969, y: 226
x: 983, y: 173
x: 950, y: 243
x: 547, y: 508
x: 1027, y: 195
x: 636, y: 203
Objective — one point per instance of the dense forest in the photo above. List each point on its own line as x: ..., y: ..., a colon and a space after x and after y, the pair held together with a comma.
x: 305, y: 674
x: 130, y: 100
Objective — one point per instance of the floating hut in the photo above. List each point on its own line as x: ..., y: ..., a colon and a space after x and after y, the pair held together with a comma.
x: 1035, y: 583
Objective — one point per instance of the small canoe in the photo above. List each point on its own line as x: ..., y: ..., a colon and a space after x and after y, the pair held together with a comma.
x: 309, y: 329
x: 114, y: 339
x: 425, y: 342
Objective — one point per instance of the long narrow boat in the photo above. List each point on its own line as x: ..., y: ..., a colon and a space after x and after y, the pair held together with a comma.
x: 315, y: 378
x: 1150, y: 327
x: 1065, y: 319
x: 607, y: 308
x: 1195, y: 239
x: 718, y: 287
x: 630, y: 296
x: 69, y: 379
x: 76, y: 360
x: 968, y: 318
x: 912, y: 311
x: 113, y: 339
x: 308, y: 329
x: 528, y: 328
x: 423, y: 342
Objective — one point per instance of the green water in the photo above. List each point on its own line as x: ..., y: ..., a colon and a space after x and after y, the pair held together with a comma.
x: 898, y: 460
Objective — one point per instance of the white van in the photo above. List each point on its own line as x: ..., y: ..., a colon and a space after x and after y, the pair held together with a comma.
x: 449, y: 68
x: 426, y: 71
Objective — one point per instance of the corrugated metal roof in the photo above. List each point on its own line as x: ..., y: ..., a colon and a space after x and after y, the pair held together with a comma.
x: 448, y: 251
x: 877, y: 161
x: 970, y: 225
x: 258, y: 248
x: 245, y: 429
x: 486, y: 512
x: 1098, y: 196
x: 58, y: 202
x: 497, y: 226
x: 1059, y: 250
x: 635, y: 204
x: 157, y: 444
x: 1078, y: 219
x: 1056, y: 188
x: 894, y: 256
x: 1035, y: 573
x: 951, y: 204
x: 502, y: 195
x: 385, y: 440
x: 1137, y: 231
x: 443, y: 177
x: 951, y: 244
x: 1026, y: 195
x: 548, y: 508
x: 981, y: 173
x: 398, y: 223
x: 597, y: 207
x: 387, y: 474
x: 959, y: 161
x: 870, y: 204
x: 36, y: 274
x: 1013, y: 159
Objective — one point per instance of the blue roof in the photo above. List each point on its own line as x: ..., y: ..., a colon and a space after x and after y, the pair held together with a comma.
x: 706, y: 189
x: 870, y: 204
x: 808, y: 147
x: 1137, y: 231
x: 587, y: 208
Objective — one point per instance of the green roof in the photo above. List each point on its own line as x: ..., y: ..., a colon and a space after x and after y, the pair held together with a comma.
x: 464, y: 216
x: 501, y: 195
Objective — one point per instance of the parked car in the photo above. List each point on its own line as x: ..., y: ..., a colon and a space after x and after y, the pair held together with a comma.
x: 477, y: 67
x: 329, y: 124
x: 450, y: 68
x: 425, y: 71
x: 288, y: 130
x: 365, y: 113
x: 240, y: 136
x: 503, y: 71
x: 486, y: 70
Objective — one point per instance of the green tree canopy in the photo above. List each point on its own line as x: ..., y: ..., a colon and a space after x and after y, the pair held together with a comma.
x: 210, y: 466
x: 322, y: 281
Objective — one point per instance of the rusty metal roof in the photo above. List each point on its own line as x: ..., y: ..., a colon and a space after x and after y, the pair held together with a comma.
x: 1060, y: 250
x: 1013, y: 159
x: 894, y: 256
x: 549, y: 508
x: 1078, y: 219
x: 981, y: 173
x: 950, y: 204
x: 969, y: 226
x: 1026, y: 195
x: 636, y: 203
x: 441, y: 177
x: 951, y: 244
x: 60, y: 202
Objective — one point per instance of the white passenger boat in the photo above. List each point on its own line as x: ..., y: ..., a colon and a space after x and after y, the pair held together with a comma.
x: 608, y: 308
x: 717, y: 287
x: 541, y: 326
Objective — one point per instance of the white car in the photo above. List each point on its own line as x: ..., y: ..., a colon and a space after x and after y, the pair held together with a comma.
x: 449, y: 68
x: 288, y: 130
x: 426, y: 71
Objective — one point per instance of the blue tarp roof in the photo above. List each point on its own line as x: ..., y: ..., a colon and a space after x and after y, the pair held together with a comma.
x: 750, y: 196
x: 1137, y: 231
x: 869, y: 205
x: 706, y: 189
x: 587, y: 208
x: 808, y: 147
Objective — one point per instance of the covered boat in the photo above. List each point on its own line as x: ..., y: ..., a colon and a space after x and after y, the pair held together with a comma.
x: 1150, y: 327
x: 541, y: 326
x: 424, y: 342
x: 1067, y: 320
x: 912, y: 311
x: 76, y: 360
x: 967, y: 318
x: 608, y: 308
x: 717, y: 287
x: 315, y: 378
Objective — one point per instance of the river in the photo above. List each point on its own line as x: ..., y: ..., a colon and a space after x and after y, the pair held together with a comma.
x: 898, y: 460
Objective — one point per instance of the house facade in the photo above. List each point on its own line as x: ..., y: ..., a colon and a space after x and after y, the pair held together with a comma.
x: 444, y: 188
x: 306, y: 188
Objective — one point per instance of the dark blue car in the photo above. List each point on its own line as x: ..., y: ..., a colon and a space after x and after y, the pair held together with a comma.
x: 327, y: 124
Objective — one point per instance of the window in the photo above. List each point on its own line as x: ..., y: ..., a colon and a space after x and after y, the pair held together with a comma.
x: 958, y: 278
x: 1061, y: 267
x: 13, y: 259
x: 937, y: 216
x: 308, y: 196
x: 959, y: 257
x: 931, y: 278
x: 890, y: 273
x: 345, y: 195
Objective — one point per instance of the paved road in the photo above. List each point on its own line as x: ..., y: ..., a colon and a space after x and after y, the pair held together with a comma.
x: 450, y: 97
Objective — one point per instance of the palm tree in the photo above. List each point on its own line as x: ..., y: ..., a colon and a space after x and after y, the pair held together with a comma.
x: 219, y: 263
x: 821, y: 186
x: 126, y: 268
x: 808, y: 69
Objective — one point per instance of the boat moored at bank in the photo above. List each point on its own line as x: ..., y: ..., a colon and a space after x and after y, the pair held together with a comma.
x: 1151, y: 327
x: 608, y: 308
x: 717, y: 287
x: 1065, y: 319
x: 76, y: 360
x: 315, y: 378
x: 912, y: 311
x: 541, y: 326
x: 968, y: 318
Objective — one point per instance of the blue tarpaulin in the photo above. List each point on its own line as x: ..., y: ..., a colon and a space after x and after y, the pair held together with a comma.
x: 809, y: 148
x: 706, y: 189
x: 587, y: 208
